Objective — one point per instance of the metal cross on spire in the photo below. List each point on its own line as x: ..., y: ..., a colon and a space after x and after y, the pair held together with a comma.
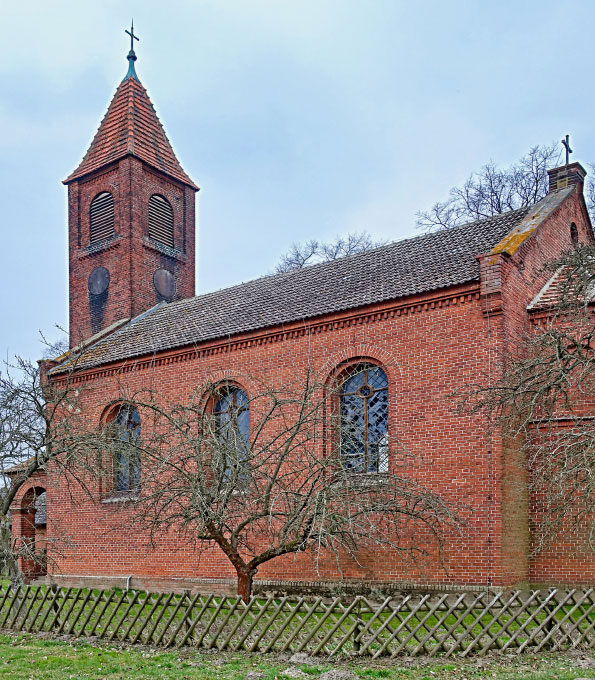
x: 132, y: 36
x: 131, y: 55
x: 566, y: 144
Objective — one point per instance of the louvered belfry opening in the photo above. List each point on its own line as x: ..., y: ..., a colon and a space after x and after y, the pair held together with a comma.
x: 102, y: 217
x: 161, y: 220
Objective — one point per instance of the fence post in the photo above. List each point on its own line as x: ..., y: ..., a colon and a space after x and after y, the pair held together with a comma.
x: 55, y: 606
x: 549, y: 626
x: 187, y: 619
x: 358, y: 628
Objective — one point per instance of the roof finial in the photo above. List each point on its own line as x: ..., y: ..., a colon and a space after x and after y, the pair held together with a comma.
x: 567, y: 149
x: 131, y: 55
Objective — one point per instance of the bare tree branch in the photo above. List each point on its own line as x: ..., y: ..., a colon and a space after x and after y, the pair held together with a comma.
x: 303, y: 254
x: 282, y: 488
x: 493, y: 191
x: 40, y: 424
x: 545, y: 401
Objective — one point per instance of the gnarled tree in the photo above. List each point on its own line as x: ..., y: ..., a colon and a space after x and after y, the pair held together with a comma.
x: 275, y: 473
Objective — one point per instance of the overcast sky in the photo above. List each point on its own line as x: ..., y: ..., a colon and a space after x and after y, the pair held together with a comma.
x: 298, y: 119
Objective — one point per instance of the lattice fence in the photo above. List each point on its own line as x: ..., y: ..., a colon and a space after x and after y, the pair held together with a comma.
x: 429, y: 623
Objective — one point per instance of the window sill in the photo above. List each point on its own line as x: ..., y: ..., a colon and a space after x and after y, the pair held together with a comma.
x: 174, y: 253
x: 365, y: 479
x: 123, y: 497
x: 99, y: 247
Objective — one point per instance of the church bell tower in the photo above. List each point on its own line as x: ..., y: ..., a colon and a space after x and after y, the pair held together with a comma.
x: 130, y: 217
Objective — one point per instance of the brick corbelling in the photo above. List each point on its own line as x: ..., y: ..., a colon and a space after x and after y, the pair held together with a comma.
x: 461, y: 296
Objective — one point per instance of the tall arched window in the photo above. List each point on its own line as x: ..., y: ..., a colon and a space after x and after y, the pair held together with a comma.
x: 232, y: 427
x: 573, y: 233
x: 101, y: 217
x: 126, y: 457
x: 161, y: 220
x: 363, y: 410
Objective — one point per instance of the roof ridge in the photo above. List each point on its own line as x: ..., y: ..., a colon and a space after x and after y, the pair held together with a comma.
x: 337, y: 261
x: 326, y: 263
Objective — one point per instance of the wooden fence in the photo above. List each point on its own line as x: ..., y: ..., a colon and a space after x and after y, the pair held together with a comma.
x: 413, y: 624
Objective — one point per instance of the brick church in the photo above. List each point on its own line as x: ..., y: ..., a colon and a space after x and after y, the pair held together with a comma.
x: 425, y: 315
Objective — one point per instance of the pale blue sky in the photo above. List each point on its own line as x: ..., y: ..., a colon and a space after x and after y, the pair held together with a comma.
x: 298, y: 119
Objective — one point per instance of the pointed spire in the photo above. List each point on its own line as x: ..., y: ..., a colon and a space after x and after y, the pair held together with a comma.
x: 131, y: 127
x: 131, y: 55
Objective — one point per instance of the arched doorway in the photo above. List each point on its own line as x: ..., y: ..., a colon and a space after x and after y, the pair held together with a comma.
x: 30, y: 533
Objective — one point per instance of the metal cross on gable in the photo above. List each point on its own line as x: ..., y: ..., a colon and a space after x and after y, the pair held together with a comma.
x: 132, y: 36
x: 566, y: 144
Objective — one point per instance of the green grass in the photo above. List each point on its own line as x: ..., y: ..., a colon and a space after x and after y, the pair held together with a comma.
x: 27, y: 656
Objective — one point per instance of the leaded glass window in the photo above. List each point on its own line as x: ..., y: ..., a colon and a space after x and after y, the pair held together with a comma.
x: 127, y: 459
x: 232, y: 425
x: 363, y: 406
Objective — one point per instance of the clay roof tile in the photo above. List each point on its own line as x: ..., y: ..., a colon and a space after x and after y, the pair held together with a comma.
x: 409, y: 267
x: 131, y: 127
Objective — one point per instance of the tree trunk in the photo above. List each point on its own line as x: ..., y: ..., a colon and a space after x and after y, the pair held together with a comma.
x: 245, y: 578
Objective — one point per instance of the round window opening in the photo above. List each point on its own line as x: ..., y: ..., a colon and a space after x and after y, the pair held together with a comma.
x: 98, y: 281
x: 165, y: 283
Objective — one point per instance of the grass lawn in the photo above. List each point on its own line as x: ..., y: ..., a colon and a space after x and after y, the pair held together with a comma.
x: 26, y: 656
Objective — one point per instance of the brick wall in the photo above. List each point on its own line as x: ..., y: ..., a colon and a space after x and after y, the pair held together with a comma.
x: 430, y: 345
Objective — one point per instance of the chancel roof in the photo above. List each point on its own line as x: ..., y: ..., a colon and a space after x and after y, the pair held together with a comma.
x: 131, y: 127
x: 416, y: 265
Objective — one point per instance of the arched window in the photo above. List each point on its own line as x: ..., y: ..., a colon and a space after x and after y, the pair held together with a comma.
x: 363, y: 411
x: 232, y: 428
x: 127, y: 458
x: 573, y: 233
x: 101, y: 217
x: 161, y: 220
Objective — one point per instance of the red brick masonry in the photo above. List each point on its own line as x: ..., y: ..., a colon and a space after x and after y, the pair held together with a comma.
x: 430, y: 345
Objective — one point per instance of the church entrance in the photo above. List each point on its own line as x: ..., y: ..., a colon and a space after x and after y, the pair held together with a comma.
x: 31, y: 519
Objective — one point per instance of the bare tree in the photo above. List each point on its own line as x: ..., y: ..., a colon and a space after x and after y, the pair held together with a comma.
x: 279, y: 486
x: 311, y: 252
x: 493, y: 190
x: 40, y: 423
x: 545, y: 402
